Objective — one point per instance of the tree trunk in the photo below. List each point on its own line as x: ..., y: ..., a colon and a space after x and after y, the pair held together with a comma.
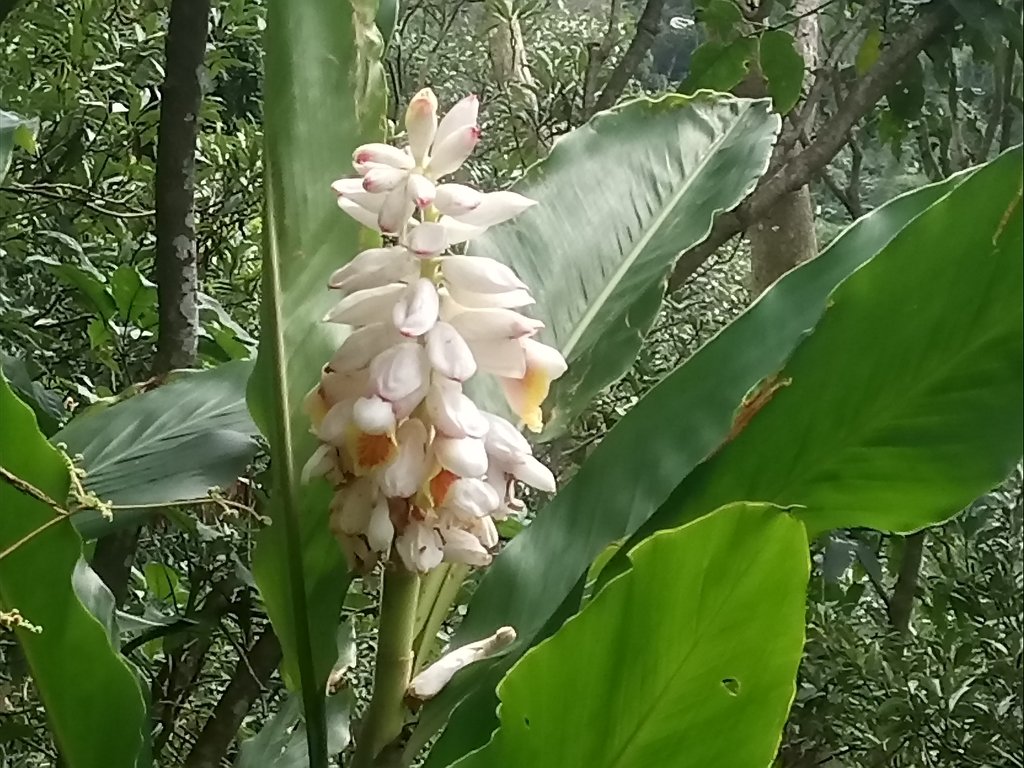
x: 175, y: 269
x: 781, y: 240
x: 176, y: 272
x: 785, y: 236
x: 506, y: 46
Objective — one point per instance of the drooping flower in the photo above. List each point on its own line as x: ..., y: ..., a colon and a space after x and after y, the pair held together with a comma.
x: 417, y: 465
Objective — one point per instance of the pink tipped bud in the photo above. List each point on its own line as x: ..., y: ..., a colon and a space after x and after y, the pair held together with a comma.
x: 450, y: 154
x: 383, y: 179
x: 382, y: 154
x: 421, y: 123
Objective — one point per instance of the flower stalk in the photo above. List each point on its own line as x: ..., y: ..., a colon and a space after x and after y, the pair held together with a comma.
x: 382, y: 724
x: 421, y: 473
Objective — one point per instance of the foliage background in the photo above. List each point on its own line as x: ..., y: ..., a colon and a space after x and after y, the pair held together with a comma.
x: 78, y: 317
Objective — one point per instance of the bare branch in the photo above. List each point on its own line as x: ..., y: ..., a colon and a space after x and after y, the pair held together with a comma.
x: 646, y: 30
x: 802, y: 167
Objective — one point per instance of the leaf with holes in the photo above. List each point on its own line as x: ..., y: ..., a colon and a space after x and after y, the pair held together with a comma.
x: 679, y: 423
x: 898, y: 411
x: 683, y: 645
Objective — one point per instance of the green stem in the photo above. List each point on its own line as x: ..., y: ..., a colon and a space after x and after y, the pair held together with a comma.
x: 385, y: 716
x: 430, y: 585
x: 439, y: 609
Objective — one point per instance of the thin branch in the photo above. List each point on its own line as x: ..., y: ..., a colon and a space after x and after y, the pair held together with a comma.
x: 18, y: 189
x: 250, y: 678
x: 801, y: 168
x: 597, y: 56
x: 646, y: 31
x: 901, y: 605
x: 28, y: 489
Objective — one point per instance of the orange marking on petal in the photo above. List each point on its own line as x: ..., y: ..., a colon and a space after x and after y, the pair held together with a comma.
x: 371, y: 451
x: 439, y: 485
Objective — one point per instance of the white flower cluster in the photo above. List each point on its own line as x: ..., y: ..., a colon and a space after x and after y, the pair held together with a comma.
x: 415, y: 463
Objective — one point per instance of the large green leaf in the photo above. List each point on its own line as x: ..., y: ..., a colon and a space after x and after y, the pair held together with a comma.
x: 619, y: 199
x: 674, y: 654
x: 173, y: 443
x: 907, y: 402
x: 95, y: 707
x: 324, y: 95
x: 631, y: 473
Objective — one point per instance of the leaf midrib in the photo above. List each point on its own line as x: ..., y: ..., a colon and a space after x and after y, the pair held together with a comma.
x: 617, y: 276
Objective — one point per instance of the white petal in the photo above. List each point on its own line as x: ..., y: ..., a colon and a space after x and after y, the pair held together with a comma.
x: 535, y: 474
x: 352, y: 190
x: 480, y: 275
x: 347, y: 186
x: 432, y: 680
x: 543, y: 358
x: 448, y: 353
x: 495, y: 208
x: 419, y: 546
x: 416, y: 312
x: 407, y: 472
x: 501, y: 357
x: 487, y: 324
x: 464, y: 456
x: 484, y: 529
x: 427, y: 238
x: 380, y: 530
x: 525, y: 394
x: 345, y: 386
x: 320, y: 463
x: 463, y: 114
x: 404, y: 406
x: 463, y: 547
x: 374, y: 267
x: 451, y: 152
x: 504, y: 442
x: 383, y: 154
x: 352, y: 506
x: 362, y: 345
x: 421, y: 123
x: 395, y: 211
x: 456, y: 232
x: 384, y: 179
x: 509, y: 300
x: 453, y: 199
x: 469, y: 498
x: 399, y: 371
x: 367, y: 306
x: 365, y: 217
x: 335, y: 424
x: 420, y: 190
x: 373, y: 415
x: 452, y: 412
